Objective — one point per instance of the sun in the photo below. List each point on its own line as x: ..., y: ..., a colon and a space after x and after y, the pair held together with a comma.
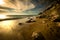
x: 1, y: 2
x: 3, y: 16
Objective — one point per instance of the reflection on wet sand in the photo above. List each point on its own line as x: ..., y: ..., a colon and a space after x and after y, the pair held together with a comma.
x: 7, y: 25
x: 8, y: 30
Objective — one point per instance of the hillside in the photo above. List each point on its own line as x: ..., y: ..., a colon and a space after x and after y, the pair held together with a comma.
x: 45, y: 27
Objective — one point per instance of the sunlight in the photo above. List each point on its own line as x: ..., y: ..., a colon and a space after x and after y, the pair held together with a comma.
x: 7, y: 26
x: 1, y: 2
x: 3, y: 16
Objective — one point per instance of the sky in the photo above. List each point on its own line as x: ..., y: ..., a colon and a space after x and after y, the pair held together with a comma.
x: 23, y: 7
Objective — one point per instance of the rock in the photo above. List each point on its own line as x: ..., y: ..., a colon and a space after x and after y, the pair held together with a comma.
x: 39, y: 36
x: 20, y: 23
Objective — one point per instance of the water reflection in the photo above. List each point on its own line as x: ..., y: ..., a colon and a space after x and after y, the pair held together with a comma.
x: 7, y: 26
x: 9, y: 30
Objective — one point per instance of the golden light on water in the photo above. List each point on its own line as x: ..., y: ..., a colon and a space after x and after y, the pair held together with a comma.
x: 3, y: 16
x: 1, y: 2
x: 7, y: 26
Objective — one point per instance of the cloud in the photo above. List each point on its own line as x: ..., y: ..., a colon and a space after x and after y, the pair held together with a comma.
x: 19, y: 6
